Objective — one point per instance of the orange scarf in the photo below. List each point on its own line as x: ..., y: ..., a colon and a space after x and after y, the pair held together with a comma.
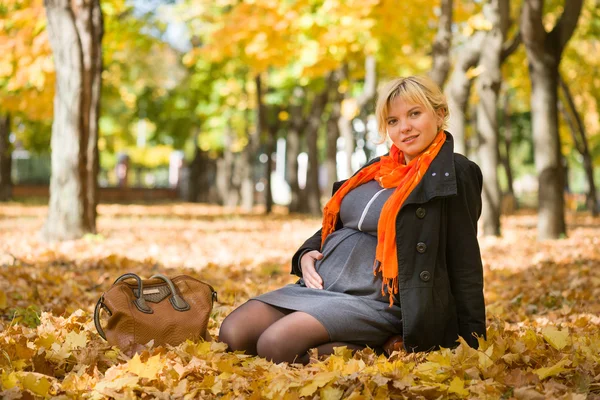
x: 390, y: 171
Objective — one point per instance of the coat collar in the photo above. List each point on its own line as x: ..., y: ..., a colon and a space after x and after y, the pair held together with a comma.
x: 439, y: 179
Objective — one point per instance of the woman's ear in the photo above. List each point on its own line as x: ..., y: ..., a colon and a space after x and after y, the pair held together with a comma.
x: 440, y: 116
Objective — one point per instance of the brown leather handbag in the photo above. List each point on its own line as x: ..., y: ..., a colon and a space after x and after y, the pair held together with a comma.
x: 160, y: 309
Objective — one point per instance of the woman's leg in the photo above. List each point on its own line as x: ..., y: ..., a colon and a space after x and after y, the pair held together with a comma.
x: 290, y: 337
x: 241, y: 329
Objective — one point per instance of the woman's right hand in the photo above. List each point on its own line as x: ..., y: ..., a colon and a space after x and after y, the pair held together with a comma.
x: 309, y: 274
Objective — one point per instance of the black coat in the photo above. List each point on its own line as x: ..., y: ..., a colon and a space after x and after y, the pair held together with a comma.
x: 440, y: 271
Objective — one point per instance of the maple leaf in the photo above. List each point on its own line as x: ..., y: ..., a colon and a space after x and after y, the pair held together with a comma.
x: 557, y: 339
x: 457, y: 386
x: 319, y: 380
x: 148, y: 369
x: 554, y: 370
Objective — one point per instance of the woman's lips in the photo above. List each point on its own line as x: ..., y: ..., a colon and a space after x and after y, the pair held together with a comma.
x: 410, y: 139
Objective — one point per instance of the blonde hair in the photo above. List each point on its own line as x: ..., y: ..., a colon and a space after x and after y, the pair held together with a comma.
x: 413, y: 89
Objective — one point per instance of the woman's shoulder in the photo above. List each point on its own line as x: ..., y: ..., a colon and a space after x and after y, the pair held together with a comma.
x: 466, y: 169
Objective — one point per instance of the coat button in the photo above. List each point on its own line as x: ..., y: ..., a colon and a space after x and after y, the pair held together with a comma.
x: 425, y: 276
x: 421, y: 212
x: 421, y: 247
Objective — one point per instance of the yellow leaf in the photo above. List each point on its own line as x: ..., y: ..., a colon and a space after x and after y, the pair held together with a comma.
x: 458, y: 386
x: 148, y: 370
x: 331, y: 393
x: 556, y: 369
x: 76, y: 340
x: 320, y: 379
x: 557, y: 339
x: 3, y: 302
x: 35, y: 383
x: 9, y: 380
x: 485, y: 358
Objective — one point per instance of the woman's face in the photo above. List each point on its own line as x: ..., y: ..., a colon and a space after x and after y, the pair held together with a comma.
x: 412, y: 127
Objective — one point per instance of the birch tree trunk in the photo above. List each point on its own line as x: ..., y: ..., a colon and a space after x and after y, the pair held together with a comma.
x: 441, y: 45
x: 5, y: 159
x: 75, y: 31
x: 544, y: 51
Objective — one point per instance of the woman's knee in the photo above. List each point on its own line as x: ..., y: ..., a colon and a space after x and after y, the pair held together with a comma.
x: 233, y: 334
x: 274, y: 346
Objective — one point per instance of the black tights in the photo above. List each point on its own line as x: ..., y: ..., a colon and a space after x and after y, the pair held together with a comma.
x: 277, y: 334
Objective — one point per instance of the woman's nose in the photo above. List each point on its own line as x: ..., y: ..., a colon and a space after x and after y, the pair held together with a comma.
x: 404, y: 126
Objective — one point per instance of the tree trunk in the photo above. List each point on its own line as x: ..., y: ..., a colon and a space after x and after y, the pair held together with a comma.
x: 333, y: 133
x: 270, y: 147
x: 459, y: 89
x: 292, y: 149
x: 441, y: 45
x: 313, y: 192
x: 581, y: 144
x: 488, y: 85
x: 250, y: 151
x: 228, y: 181
x: 507, y: 148
x: 75, y: 33
x: 5, y: 159
x: 544, y: 51
x: 345, y: 121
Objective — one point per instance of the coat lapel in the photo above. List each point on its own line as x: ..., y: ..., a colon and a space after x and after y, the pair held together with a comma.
x: 440, y: 177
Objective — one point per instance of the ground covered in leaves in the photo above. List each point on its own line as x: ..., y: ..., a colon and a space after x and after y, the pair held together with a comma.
x: 542, y: 301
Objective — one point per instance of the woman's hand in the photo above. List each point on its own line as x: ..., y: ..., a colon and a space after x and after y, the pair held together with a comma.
x: 309, y: 274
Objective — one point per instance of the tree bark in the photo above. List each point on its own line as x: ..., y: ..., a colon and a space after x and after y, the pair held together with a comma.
x: 273, y: 126
x: 5, y: 159
x: 507, y: 147
x: 229, y: 179
x: 293, y: 148
x: 459, y: 89
x: 367, y: 95
x: 579, y: 136
x: 488, y: 85
x: 544, y: 51
x: 251, y: 150
x: 333, y: 133
x: 75, y: 33
x: 441, y: 45
x: 313, y: 192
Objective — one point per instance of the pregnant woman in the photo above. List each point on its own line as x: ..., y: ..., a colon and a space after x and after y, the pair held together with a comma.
x: 397, y: 254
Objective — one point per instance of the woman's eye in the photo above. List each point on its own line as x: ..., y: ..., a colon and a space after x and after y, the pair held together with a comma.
x: 415, y: 113
x: 391, y: 121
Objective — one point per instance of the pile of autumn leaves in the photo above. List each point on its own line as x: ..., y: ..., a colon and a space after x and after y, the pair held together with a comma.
x: 543, y: 332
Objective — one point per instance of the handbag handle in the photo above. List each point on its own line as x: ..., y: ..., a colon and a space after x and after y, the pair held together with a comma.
x: 139, y: 302
x: 100, y: 305
x: 176, y: 300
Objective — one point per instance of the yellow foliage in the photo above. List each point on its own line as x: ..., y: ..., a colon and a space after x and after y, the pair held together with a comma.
x: 64, y: 356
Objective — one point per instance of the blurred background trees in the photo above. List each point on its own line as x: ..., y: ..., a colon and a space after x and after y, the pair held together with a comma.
x: 261, y: 102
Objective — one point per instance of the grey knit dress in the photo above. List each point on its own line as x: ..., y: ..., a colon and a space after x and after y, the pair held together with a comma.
x: 350, y: 305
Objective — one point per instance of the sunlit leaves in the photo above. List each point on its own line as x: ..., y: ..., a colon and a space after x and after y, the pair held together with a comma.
x: 542, y: 341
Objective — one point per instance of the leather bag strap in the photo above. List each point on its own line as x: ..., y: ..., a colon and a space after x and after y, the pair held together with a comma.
x: 178, y: 303
x: 139, y: 302
x: 99, y: 305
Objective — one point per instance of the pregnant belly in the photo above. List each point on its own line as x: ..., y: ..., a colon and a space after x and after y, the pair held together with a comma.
x: 347, y: 264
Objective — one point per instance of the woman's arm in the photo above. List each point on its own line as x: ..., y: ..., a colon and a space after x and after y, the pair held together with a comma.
x: 463, y: 255
x: 312, y: 243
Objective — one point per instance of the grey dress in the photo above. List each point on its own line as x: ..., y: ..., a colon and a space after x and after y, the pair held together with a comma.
x: 350, y: 305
